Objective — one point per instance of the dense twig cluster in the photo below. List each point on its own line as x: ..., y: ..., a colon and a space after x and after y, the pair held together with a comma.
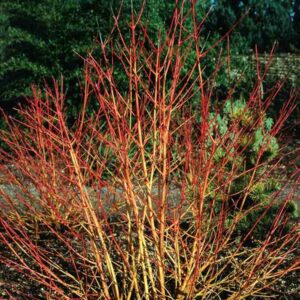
x: 103, y: 189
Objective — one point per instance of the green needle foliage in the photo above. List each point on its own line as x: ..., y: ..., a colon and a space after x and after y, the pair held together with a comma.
x: 41, y: 40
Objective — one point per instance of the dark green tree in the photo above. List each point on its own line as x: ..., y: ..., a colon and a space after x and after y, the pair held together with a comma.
x: 264, y: 22
x: 296, y: 23
x: 41, y: 40
x: 44, y: 39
